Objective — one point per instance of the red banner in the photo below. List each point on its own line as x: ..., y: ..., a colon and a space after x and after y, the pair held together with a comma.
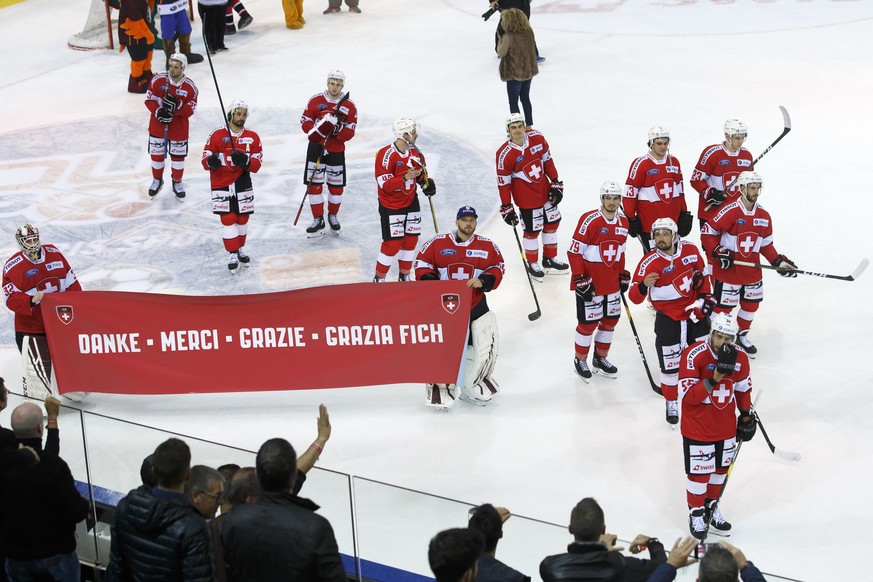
x: 324, y: 337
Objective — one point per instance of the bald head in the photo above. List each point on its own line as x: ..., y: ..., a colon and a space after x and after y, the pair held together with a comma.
x: 27, y: 421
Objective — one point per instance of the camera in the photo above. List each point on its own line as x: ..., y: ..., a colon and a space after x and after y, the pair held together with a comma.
x: 700, y: 550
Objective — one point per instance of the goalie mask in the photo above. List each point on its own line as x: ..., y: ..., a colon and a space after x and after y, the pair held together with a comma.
x: 28, y: 239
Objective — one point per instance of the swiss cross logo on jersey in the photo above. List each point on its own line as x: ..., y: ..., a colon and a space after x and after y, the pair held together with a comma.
x: 722, y: 395
x: 534, y: 171
x: 460, y: 271
x: 49, y: 285
x: 747, y: 243
x: 451, y: 302
x: 666, y: 190
x: 610, y: 252
x: 65, y: 313
x: 683, y: 281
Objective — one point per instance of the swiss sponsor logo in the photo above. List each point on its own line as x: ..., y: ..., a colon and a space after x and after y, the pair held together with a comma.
x: 653, y: 172
x: 744, y: 163
x: 477, y: 254
x: 181, y: 92
x: 31, y: 272
x: 54, y: 265
x: 65, y: 313
x: 245, y: 140
x: 451, y: 302
x: 688, y: 260
x: 448, y: 252
x: 536, y: 148
x: 724, y: 162
x: 672, y: 169
x: 760, y: 222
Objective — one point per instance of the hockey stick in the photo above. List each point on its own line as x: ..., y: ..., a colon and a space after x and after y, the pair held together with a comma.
x: 857, y: 272
x: 436, y: 228
x: 536, y: 314
x: 630, y: 319
x: 787, y: 455
x: 308, y: 181
x: 786, y: 120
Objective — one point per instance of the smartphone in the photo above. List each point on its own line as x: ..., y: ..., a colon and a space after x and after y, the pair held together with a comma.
x: 700, y: 550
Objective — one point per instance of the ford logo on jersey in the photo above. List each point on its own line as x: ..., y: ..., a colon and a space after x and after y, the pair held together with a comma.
x: 604, y: 230
x: 710, y: 367
x: 669, y: 269
x: 653, y: 171
x: 448, y: 252
x: 724, y: 162
x: 519, y: 159
x: 31, y: 273
x: 225, y: 139
x: 322, y: 106
x: 741, y: 221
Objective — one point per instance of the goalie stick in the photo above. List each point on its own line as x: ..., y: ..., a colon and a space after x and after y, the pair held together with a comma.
x: 308, y: 181
x: 630, y: 319
x: 536, y: 314
x: 787, y: 455
x: 786, y: 121
x: 855, y: 274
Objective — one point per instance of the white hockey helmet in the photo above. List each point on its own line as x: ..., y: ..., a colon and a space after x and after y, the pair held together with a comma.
x: 665, y: 224
x: 734, y: 127
x: 403, y: 126
x: 27, y: 238
x: 336, y: 74
x: 749, y: 177
x: 657, y: 131
x: 610, y: 188
x: 514, y: 118
x: 234, y: 105
x: 724, y: 323
x: 182, y: 59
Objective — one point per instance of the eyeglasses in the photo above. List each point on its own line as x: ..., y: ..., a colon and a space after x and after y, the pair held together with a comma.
x: 218, y: 498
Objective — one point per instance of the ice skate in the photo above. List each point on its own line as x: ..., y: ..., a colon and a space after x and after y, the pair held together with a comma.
x: 717, y: 519
x: 748, y: 346
x: 333, y: 221
x: 354, y: 9
x: 555, y: 267
x: 603, y: 367
x: 243, y: 257
x: 179, y: 190
x: 331, y: 11
x: 672, y: 414
x: 536, y: 271
x: 315, y: 229
x: 233, y: 263
x: 697, y: 523
x: 244, y: 21
x: 156, y: 186
x: 582, y: 369
x: 405, y: 277
x: 378, y: 279
x: 471, y: 400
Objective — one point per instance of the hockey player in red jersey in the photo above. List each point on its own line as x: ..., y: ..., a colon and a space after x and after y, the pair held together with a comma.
x: 673, y: 277
x: 231, y: 160
x: 597, y: 257
x: 328, y: 125
x: 171, y: 99
x: 526, y: 175
x: 654, y: 190
x: 400, y: 168
x: 27, y: 276
x: 742, y: 230
x: 714, y: 382
x: 464, y: 255
x: 717, y: 167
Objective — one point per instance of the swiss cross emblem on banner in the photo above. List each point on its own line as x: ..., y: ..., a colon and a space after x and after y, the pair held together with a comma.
x: 65, y: 313
x: 451, y: 302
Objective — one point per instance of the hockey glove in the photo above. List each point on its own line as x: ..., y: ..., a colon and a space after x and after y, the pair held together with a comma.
x: 747, y: 426
x: 488, y: 281
x: 624, y: 279
x: 172, y: 103
x: 724, y: 257
x: 429, y: 276
x: 339, y: 127
x: 556, y: 192
x: 163, y: 116
x: 781, y: 260
x: 213, y: 161
x: 634, y: 227
x: 507, y: 211
x: 697, y: 280
x: 708, y: 305
x: 685, y: 222
x: 240, y: 160
x: 700, y: 309
x: 727, y: 359
x: 714, y: 196
x: 584, y: 288
x: 327, y: 124
x: 428, y: 187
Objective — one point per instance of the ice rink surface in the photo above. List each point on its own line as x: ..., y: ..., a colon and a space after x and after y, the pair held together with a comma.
x: 73, y: 161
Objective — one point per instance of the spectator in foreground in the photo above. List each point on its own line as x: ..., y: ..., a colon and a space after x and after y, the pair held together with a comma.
x: 29, y: 429
x: 488, y: 521
x: 205, y: 490
x: 453, y: 555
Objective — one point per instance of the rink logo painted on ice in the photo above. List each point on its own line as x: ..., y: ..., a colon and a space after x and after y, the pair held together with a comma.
x: 65, y: 313
x: 451, y: 302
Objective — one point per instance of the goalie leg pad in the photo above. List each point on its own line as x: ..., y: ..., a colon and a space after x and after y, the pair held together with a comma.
x: 36, y: 366
x: 482, y: 359
x: 440, y: 396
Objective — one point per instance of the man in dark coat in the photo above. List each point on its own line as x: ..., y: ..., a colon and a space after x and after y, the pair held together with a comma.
x: 280, y: 537
x: 156, y: 534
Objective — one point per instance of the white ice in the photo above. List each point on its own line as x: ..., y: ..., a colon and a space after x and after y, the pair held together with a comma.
x: 73, y: 161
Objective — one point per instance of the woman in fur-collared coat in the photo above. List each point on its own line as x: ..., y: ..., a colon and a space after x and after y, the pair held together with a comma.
x: 518, y: 60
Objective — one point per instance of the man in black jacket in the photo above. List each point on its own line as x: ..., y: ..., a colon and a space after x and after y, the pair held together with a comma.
x: 488, y: 521
x: 593, y: 556
x: 280, y: 537
x: 29, y: 429
x: 156, y: 534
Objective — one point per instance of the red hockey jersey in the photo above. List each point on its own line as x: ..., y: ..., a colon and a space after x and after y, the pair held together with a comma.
x: 246, y: 141
x: 185, y: 90
x: 716, y: 168
x: 395, y: 191
x: 321, y: 105
x: 525, y: 172
x: 598, y: 250
x: 23, y: 278
x: 672, y: 292
x: 711, y: 417
x: 654, y: 190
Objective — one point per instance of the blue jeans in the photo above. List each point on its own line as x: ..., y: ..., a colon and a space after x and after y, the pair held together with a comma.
x: 516, y: 90
x: 60, y: 568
